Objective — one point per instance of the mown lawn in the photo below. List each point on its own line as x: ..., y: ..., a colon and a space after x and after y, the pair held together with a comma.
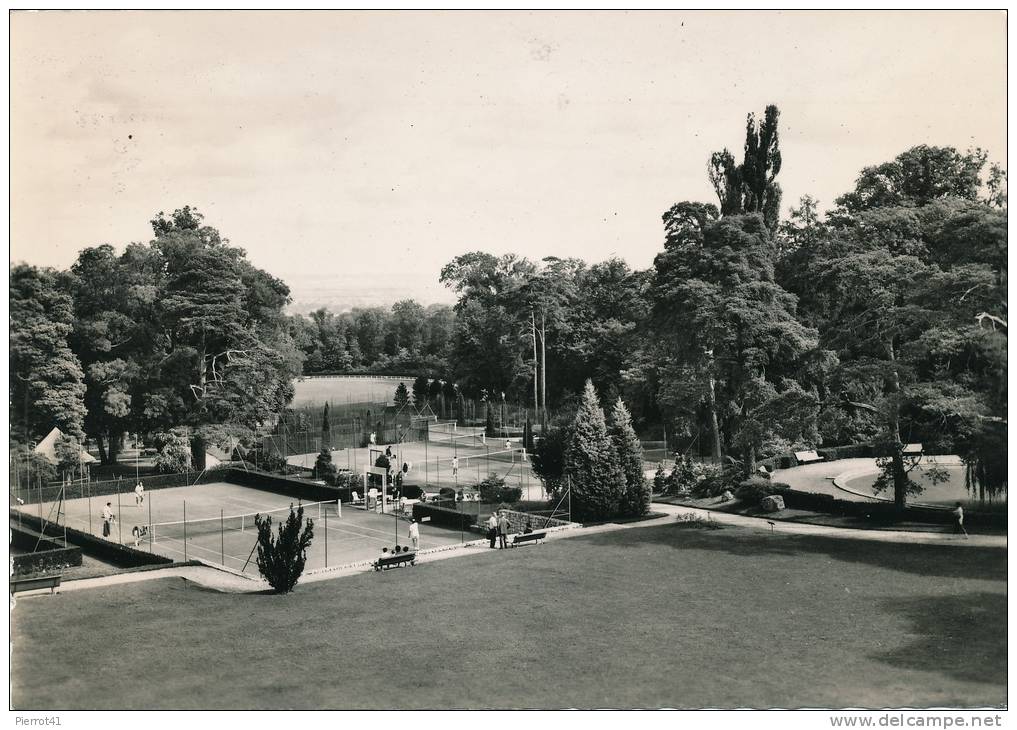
x: 649, y: 617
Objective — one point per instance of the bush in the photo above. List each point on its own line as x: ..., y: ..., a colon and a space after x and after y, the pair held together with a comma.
x: 281, y: 560
x: 753, y: 489
x: 684, y: 476
x: 715, y: 480
x: 493, y: 490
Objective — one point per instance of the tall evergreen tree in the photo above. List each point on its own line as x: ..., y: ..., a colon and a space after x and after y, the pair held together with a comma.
x: 402, y: 396
x: 636, y: 501
x: 591, y: 462
x: 326, y: 429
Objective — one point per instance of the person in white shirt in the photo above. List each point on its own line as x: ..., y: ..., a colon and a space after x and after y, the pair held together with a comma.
x: 139, y: 494
x: 492, y: 528
x: 414, y: 534
x: 455, y: 466
x: 958, y: 515
x: 108, y: 518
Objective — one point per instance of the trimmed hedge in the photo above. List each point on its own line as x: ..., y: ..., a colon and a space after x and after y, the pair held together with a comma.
x: 46, y: 556
x: 444, y: 517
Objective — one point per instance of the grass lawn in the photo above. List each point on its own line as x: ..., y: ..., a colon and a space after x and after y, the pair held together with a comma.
x: 649, y: 617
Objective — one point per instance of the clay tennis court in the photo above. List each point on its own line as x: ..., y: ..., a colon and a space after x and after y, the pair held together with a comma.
x: 220, y: 526
x: 431, y: 463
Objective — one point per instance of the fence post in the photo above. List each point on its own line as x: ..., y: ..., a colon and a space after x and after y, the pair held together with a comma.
x: 185, y: 530
x: 222, y: 538
x: 326, y: 535
x: 120, y: 521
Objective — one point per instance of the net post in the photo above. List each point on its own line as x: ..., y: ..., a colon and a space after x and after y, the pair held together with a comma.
x: 185, y: 530
x: 222, y: 537
x: 326, y: 537
x: 151, y: 525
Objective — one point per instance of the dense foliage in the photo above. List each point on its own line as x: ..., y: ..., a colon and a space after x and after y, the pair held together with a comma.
x: 881, y: 322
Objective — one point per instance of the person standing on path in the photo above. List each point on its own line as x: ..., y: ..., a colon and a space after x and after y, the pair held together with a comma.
x: 414, y: 534
x: 492, y: 528
x: 958, y: 516
x: 503, y: 528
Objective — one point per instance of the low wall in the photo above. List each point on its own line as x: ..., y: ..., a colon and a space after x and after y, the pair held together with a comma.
x: 111, y: 552
x: 46, y: 555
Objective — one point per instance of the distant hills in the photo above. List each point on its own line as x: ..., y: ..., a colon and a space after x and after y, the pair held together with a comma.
x: 344, y: 292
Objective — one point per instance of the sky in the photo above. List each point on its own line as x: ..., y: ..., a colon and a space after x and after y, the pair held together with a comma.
x: 364, y: 150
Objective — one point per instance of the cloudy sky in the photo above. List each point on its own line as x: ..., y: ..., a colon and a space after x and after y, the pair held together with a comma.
x: 354, y: 149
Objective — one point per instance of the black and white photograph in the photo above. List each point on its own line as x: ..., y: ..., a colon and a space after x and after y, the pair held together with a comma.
x: 438, y: 360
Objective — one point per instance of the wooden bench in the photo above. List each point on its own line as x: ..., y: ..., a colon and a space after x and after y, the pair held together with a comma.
x: 18, y: 585
x: 807, y: 457
x: 527, y: 537
x: 391, y: 561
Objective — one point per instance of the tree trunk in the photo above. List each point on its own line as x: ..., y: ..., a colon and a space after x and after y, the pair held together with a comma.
x: 536, y: 384
x: 103, y: 456
x: 198, y: 453
x: 116, y: 442
x: 900, y: 477
x: 543, y: 369
x: 750, y: 461
x: 714, y: 425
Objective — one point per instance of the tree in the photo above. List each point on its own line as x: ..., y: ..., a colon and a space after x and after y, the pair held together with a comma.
x: 591, y: 462
x: 46, y: 383
x: 729, y: 328
x: 751, y: 187
x: 402, y: 396
x: 326, y: 431
x: 174, y: 451
x: 916, y: 177
x: 421, y: 392
x: 489, y: 428
x: 324, y: 469
x: 281, y: 558
x: 636, y: 500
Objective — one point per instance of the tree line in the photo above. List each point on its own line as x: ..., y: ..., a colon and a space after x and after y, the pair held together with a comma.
x: 881, y: 320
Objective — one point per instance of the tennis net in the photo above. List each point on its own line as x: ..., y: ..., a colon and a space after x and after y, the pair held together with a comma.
x: 234, y: 523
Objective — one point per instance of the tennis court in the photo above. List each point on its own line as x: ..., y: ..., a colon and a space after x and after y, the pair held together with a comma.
x: 215, y: 522
x: 446, y: 459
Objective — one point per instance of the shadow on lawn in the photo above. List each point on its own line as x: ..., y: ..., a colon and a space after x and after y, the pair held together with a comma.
x: 942, y: 561
x: 963, y: 637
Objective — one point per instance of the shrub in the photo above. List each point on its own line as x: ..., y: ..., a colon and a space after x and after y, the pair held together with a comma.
x: 697, y: 521
x: 324, y: 469
x: 684, y: 477
x: 660, y: 479
x: 753, y: 489
x: 493, y: 489
x: 715, y: 480
x: 281, y: 559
